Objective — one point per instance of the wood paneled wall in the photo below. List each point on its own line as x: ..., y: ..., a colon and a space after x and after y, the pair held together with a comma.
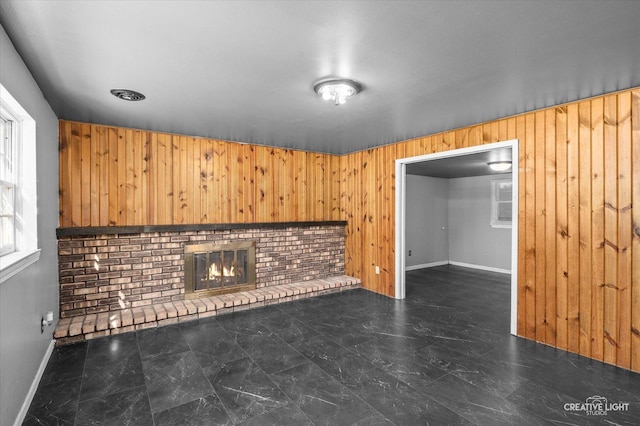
x: 113, y: 176
x: 579, y: 220
x: 579, y: 186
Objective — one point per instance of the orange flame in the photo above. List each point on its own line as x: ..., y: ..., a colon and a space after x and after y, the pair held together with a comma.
x: 214, y: 272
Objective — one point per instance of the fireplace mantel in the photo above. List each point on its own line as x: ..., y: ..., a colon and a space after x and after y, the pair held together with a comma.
x: 82, y: 231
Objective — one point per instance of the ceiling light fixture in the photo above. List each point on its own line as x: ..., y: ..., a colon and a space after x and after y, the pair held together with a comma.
x: 500, y: 166
x: 337, y: 90
x: 127, y: 95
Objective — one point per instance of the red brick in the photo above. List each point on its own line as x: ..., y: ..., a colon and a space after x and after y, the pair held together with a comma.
x: 156, y: 240
x: 95, y: 243
x: 107, y: 249
x: 69, y: 243
x: 115, y: 316
x: 161, y: 299
x: 223, y: 301
x: 161, y: 276
x: 62, y: 329
x: 117, y: 241
x: 200, y: 306
x: 110, y: 288
x: 85, y: 291
x: 72, y: 313
x: 85, y: 304
x: 136, y: 255
x: 138, y: 315
x: 102, y: 322
x: 210, y: 305
x: 140, y: 290
x: 109, y: 275
x: 140, y: 303
x: 83, y: 264
x: 151, y: 295
x: 171, y: 245
x: 97, y: 309
x: 133, y: 284
x: 141, y: 278
x: 182, y: 310
x: 127, y: 317
x: 108, y: 301
x: 143, y: 265
x: 161, y: 312
x: 119, y: 255
x: 86, y: 277
x: 140, y: 240
x: 149, y: 314
x: 172, y: 311
x: 191, y: 307
x: 83, y: 250
x: 119, y: 267
x: 75, y: 328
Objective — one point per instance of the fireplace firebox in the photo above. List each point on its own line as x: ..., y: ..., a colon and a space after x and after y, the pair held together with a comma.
x: 211, y: 269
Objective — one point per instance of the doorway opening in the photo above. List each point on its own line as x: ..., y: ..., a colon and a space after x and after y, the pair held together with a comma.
x: 465, y: 158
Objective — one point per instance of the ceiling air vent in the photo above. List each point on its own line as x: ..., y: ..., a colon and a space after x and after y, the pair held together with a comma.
x: 127, y: 95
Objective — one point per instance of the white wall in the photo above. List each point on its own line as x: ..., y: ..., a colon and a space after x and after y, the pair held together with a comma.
x: 472, y: 240
x: 463, y: 207
x: 427, y: 215
x: 34, y: 291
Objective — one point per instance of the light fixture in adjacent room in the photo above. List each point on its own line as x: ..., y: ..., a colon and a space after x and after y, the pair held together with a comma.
x: 500, y: 166
x: 337, y: 90
x: 127, y: 95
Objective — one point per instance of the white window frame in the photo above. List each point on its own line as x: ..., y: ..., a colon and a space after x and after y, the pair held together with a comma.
x: 26, y: 250
x: 496, y: 222
x: 8, y: 181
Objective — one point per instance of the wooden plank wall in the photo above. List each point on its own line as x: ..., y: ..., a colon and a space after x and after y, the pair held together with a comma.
x: 579, y: 216
x: 112, y: 176
x: 579, y: 234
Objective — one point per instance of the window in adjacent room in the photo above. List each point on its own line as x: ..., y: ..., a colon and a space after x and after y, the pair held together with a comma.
x: 501, y: 203
x: 18, y: 207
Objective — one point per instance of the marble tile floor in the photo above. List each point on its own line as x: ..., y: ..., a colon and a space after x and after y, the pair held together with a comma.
x: 443, y: 356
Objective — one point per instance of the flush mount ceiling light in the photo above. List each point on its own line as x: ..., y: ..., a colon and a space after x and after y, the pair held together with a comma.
x: 337, y: 90
x: 127, y: 95
x: 500, y: 166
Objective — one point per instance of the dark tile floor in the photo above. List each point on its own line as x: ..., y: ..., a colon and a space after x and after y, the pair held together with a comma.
x: 443, y: 356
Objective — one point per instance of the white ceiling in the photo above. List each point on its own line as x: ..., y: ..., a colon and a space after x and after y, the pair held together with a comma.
x: 245, y: 71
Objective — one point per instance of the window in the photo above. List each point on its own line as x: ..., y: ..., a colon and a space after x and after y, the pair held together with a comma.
x: 18, y: 207
x: 7, y: 185
x: 501, y: 203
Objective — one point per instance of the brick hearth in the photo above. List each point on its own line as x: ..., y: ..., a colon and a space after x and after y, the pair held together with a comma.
x: 73, y: 329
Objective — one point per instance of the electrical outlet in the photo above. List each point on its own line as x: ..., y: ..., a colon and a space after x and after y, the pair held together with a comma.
x: 377, y: 270
x: 409, y: 252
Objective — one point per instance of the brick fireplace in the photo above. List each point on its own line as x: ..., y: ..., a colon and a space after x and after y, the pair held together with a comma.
x: 107, y: 269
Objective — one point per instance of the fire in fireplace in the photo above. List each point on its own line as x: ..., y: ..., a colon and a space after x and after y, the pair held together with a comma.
x: 219, y: 268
